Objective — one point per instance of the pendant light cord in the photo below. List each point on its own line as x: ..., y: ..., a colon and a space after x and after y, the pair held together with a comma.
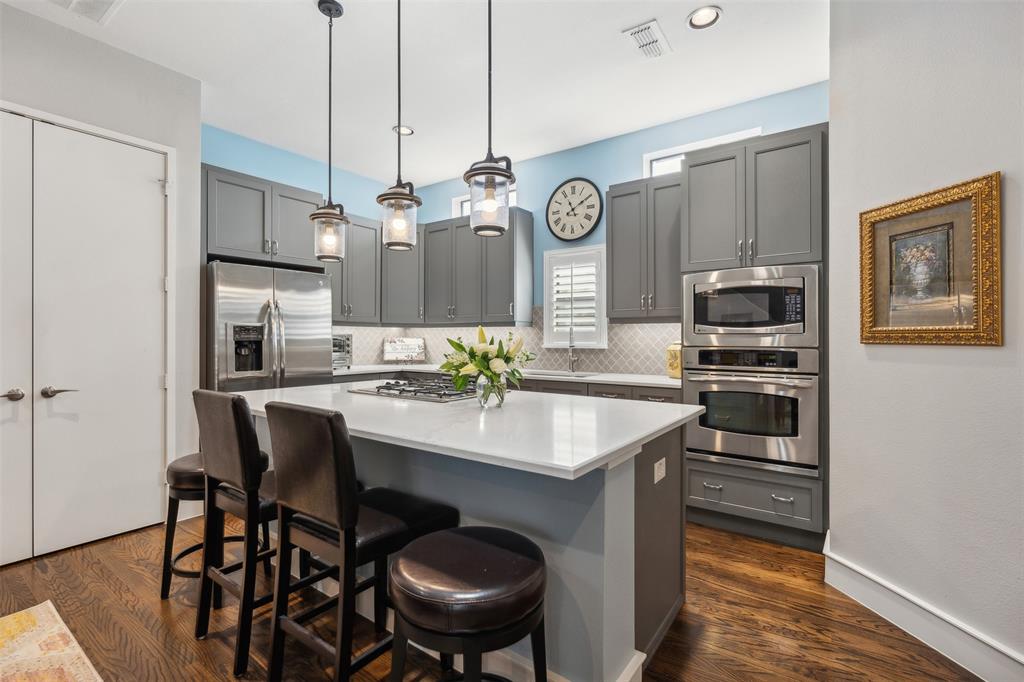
x: 490, y: 153
x: 399, y: 181
x: 330, y: 101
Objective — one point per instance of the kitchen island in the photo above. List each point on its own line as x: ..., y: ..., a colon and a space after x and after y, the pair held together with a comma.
x: 595, y: 482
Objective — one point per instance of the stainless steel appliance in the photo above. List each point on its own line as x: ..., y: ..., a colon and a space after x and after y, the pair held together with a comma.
x: 267, y: 327
x: 341, y: 351
x: 438, y: 390
x: 765, y: 306
x: 761, y: 404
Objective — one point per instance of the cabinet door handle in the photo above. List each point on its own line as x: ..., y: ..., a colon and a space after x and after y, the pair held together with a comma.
x: 787, y: 500
x: 711, y: 486
x: 739, y: 251
x: 266, y: 246
x: 510, y: 304
x: 643, y: 304
x: 273, y: 247
x: 650, y: 301
x: 750, y: 251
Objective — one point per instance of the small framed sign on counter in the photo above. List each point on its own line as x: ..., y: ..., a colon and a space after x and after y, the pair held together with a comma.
x: 405, y: 349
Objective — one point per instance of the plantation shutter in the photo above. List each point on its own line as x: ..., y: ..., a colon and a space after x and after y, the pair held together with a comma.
x: 574, y: 294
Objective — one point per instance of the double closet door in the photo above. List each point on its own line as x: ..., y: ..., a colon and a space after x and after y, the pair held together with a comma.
x: 83, y: 235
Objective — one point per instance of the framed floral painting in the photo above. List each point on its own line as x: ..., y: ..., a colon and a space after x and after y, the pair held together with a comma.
x: 931, y: 268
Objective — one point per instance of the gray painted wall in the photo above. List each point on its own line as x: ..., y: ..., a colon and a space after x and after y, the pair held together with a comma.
x: 53, y: 69
x: 927, y: 443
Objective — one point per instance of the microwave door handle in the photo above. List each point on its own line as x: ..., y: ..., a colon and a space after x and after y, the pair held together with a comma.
x: 280, y: 338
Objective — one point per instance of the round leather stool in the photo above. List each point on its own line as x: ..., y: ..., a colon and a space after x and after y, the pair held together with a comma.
x: 467, y: 591
x: 186, y: 480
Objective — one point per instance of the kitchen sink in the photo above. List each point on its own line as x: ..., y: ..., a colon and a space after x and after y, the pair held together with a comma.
x: 556, y: 373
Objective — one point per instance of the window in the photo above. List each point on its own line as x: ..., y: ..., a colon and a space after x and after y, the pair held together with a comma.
x: 574, y: 298
x: 671, y: 160
x: 460, y: 205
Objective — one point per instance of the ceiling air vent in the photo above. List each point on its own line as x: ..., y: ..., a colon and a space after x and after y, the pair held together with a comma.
x: 99, y: 11
x: 648, y: 39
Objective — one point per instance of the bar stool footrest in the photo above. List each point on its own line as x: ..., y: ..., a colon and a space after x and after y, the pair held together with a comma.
x: 186, y: 573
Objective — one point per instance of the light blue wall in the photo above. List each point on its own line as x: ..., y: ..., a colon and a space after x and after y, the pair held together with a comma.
x: 618, y: 159
x: 245, y: 155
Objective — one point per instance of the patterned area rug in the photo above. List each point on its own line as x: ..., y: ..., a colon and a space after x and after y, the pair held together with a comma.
x: 36, y: 645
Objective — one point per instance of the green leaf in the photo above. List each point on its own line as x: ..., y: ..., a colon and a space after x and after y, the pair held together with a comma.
x: 456, y: 345
x: 501, y: 351
x: 513, y: 380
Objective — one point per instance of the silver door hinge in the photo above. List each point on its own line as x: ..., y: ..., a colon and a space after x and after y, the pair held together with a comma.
x: 167, y: 283
x: 165, y: 382
x: 167, y: 186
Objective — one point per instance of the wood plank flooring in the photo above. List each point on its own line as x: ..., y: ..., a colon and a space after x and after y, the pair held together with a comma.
x: 755, y: 611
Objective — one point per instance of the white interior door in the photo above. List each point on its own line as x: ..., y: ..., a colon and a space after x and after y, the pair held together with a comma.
x: 15, y: 338
x: 98, y: 296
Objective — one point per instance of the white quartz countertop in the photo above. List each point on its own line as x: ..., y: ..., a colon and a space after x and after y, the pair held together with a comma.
x: 649, y: 380
x: 557, y: 435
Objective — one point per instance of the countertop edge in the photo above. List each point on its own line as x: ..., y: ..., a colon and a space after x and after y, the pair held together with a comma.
x: 613, y: 378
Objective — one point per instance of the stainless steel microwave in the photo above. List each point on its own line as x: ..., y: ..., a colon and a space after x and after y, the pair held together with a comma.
x: 765, y: 306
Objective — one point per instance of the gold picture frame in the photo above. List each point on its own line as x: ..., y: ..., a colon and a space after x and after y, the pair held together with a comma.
x: 931, y: 268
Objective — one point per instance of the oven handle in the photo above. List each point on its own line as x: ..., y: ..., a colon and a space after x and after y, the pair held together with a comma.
x: 772, y: 381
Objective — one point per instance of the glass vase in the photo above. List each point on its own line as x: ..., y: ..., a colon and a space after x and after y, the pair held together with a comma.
x: 490, y: 393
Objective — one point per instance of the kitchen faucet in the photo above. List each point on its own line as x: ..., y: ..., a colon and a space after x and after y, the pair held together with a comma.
x: 573, y: 358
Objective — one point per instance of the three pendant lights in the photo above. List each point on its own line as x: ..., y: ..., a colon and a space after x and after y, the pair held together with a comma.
x: 489, y: 180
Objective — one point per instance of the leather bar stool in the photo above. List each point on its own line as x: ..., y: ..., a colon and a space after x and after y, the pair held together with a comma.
x: 186, y: 481
x: 321, y: 510
x: 236, y: 482
x: 468, y: 591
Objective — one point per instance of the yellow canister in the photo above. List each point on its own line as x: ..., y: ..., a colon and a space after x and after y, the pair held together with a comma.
x: 674, y: 360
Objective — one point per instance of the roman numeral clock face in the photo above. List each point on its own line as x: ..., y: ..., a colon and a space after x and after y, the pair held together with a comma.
x: 574, y: 209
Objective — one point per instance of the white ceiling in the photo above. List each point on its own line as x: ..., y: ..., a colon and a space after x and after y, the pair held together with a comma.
x: 564, y: 76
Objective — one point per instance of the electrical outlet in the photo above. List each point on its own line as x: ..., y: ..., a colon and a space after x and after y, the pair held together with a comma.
x: 659, y: 470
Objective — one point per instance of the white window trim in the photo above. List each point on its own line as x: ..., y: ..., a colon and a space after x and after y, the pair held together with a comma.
x: 599, y: 251
x: 693, y: 146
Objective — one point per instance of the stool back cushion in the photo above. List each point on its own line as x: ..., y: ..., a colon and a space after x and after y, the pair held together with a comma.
x: 316, y: 473
x: 227, y: 439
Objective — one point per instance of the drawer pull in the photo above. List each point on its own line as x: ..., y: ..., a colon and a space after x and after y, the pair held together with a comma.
x: 652, y: 399
x: 712, y: 486
x: 609, y: 395
x: 787, y: 500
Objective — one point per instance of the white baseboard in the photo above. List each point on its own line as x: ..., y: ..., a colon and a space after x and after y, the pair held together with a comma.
x: 974, y: 650
x: 634, y: 670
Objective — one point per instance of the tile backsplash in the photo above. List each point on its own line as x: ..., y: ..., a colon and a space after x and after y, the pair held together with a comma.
x: 632, y: 348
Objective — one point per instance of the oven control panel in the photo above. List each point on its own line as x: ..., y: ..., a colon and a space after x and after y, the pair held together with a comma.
x: 793, y: 299
x: 800, y: 360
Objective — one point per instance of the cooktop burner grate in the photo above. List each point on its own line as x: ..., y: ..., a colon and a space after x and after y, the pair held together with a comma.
x: 431, y: 390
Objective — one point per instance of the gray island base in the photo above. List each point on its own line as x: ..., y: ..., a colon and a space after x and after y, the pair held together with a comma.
x: 575, y: 474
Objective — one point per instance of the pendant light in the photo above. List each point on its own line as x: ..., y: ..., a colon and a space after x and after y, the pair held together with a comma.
x: 399, y: 203
x: 329, y: 221
x: 489, y: 180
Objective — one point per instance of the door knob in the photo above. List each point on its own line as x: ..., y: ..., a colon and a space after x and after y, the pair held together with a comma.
x: 14, y: 395
x: 50, y: 391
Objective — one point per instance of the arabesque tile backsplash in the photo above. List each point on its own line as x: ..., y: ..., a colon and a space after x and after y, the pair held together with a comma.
x: 632, y: 348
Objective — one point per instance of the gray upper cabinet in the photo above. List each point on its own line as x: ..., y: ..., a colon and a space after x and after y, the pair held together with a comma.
x: 362, y: 271
x: 467, y: 273
x: 337, y: 273
x: 713, y: 230
x: 238, y: 214
x: 437, y: 271
x: 784, y: 198
x: 755, y: 203
x: 292, y: 239
x: 249, y: 218
x: 627, y: 249
x: 664, y: 206
x: 508, y: 272
x: 643, y: 247
x: 402, y: 277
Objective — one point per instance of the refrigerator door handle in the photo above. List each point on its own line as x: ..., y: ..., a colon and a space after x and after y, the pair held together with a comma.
x: 272, y: 338
x: 280, y: 339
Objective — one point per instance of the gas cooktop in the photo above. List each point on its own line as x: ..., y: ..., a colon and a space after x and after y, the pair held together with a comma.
x: 430, y: 390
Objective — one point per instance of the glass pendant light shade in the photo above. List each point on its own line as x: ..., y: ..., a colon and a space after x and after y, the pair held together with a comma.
x: 398, y: 208
x: 329, y: 226
x: 489, y: 183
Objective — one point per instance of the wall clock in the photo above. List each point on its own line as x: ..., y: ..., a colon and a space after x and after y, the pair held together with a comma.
x: 574, y: 209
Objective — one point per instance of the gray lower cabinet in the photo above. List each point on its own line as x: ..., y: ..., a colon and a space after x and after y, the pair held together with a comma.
x: 610, y: 391
x: 251, y: 218
x: 355, y: 282
x: 643, y: 247
x: 615, y: 391
x: 352, y: 378
x: 508, y: 272
x: 756, y: 203
x: 792, y: 501
x: 401, y: 296
x: 658, y: 395
x: 559, y: 387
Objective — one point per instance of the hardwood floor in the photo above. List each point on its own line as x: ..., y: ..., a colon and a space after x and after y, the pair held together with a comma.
x: 755, y: 611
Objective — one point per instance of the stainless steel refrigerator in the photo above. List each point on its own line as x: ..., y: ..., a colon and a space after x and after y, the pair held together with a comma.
x: 267, y: 328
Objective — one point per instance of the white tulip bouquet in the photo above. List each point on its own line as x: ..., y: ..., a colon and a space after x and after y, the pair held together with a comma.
x: 492, y: 364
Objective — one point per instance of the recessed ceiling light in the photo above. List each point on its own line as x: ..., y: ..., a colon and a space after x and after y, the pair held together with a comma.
x: 704, y: 17
x: 402, y: 130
